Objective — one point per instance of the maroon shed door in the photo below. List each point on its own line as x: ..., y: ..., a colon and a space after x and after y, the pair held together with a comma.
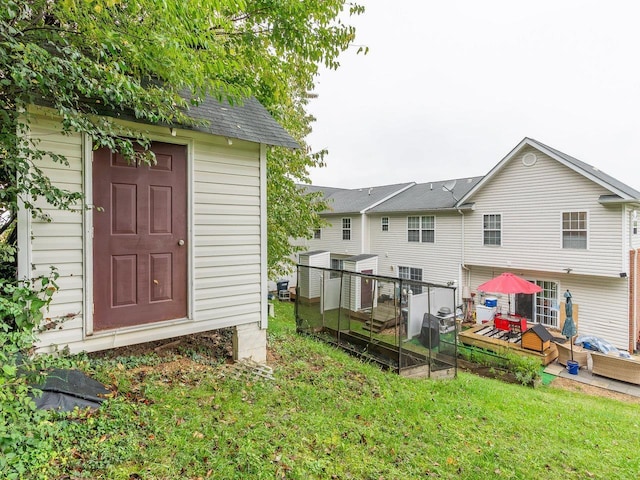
x: 366, y: 290
x: 139, y: 240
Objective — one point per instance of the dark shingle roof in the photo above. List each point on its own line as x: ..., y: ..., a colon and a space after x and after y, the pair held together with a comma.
x: 362, y: 256
x: 313, y: 252
x: 246, y: 121
x: 591, y: 170
x: 356, y: 200
x: 249, y: 121
x: 427, y: 196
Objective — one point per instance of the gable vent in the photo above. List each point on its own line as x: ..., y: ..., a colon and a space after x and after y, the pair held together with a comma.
x: 529, y: 159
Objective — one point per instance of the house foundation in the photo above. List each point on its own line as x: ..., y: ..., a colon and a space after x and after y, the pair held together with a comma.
x: 250, y: 341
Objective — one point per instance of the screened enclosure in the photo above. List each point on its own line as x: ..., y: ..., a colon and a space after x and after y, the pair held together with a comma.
x: 404, y: 325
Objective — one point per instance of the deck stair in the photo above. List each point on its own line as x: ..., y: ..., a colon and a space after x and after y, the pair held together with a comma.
x: 383, y: 317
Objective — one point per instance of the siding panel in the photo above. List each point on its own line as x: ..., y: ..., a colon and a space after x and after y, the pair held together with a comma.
x: 225, y: 246
x: 532, y: 223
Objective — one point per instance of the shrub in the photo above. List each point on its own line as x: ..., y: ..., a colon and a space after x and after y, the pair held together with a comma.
x: 24, y: 446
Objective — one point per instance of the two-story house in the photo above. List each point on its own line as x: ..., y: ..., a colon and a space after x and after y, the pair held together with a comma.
x: 539, y: 213
x: 562, y: 224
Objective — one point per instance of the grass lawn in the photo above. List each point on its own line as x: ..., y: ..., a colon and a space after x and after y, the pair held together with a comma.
x: 326, y: 415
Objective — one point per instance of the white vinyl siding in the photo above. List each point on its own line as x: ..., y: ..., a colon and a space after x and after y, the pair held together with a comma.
x: 574, y: 230
x: 421, y: 229
x: 530, y: 201
x: 331, y: 237
x: 440, y: 262
x: 600, y: 302
x: 59, y: 242
x: 226, y: 246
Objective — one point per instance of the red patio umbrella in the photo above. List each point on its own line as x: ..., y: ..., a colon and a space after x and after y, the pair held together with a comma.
x: 509, y: 283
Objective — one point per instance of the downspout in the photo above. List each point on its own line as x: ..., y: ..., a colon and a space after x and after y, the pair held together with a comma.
x: 365, y: 227
x: 461, y: 281
x: 634, y: 302
x: 634, y: 338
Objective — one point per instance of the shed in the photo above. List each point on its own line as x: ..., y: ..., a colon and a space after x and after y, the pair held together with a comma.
x: 361, y: 291
x: 536, y: 338
x: 175, y: 248
x: 310, y: 281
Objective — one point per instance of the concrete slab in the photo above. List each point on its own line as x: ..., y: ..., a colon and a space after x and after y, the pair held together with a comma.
x: 585, y: 376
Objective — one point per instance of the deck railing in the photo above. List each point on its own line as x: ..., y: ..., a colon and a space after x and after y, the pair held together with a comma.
x: 406, y: 326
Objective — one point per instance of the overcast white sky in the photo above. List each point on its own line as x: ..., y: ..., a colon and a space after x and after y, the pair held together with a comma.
x: 450, y: 87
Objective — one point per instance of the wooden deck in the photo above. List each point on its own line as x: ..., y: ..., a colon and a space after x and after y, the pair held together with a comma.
x: 488, y: 337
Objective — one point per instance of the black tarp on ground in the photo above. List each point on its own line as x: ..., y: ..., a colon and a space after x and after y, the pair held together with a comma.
x: 67, y: 389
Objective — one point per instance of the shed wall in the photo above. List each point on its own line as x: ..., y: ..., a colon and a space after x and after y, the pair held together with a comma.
x: 226, y: 249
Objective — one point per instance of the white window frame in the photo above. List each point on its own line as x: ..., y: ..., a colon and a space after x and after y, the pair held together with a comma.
x: 486, y: 230
x: 544, y: 303
x: 422, y: 228
x: 384, y: 224
x: 411, y: 273
x: 585, y: 230
x: 317, y: 233
x: 338, y: 264
x: 346, y: 228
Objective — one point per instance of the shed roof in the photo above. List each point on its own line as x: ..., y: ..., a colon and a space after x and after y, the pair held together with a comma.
x: 362, y: 256
x: 313, y: 252
x: 247, y: 120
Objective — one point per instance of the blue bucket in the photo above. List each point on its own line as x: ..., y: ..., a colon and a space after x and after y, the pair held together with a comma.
x: 573, y: 367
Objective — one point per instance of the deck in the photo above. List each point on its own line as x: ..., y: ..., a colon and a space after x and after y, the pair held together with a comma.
x: 490, y: 338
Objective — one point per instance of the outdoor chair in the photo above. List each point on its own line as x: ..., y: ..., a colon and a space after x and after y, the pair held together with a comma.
x: 580, y: 354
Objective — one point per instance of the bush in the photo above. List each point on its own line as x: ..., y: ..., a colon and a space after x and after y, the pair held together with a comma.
x: 24, y: 446
x: 526, y: 369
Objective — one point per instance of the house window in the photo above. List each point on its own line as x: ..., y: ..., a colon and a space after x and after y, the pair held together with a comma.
x: 492, y: 229
x: 317, y: 234
x: 410, y: 273
x: 346, y: 229
x: 336, y: 264
x: 421, y: 229
x: 385, y: 224
x: 635, y: 227
x: 574, y: 230
x: 546, y: 314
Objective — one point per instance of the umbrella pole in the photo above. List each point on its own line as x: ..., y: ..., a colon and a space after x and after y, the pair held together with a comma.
x: 571, y: 346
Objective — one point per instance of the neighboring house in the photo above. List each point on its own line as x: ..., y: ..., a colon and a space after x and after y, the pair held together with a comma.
x: 174, y: 249
x: 539, y: 213
x: 348, y: 232
x: 417, y: 233
x: 562, y: 224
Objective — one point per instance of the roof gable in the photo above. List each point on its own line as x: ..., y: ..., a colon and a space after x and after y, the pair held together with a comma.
x: 619, y: 190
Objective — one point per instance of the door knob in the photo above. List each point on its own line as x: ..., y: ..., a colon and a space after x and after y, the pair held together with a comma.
x: 181, y: 242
